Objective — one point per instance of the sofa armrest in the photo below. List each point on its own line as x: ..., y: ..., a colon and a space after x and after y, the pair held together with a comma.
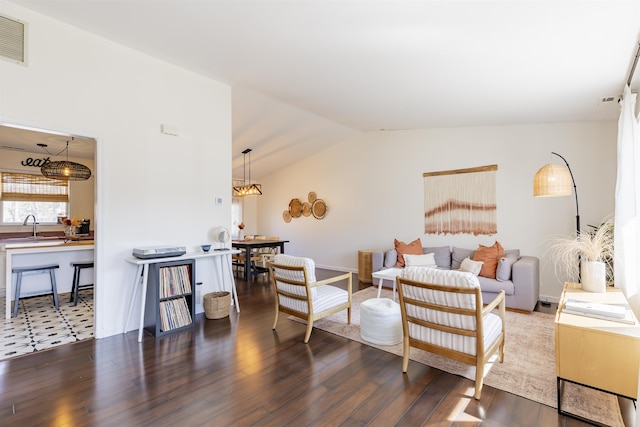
x: 525, y: 275
x: 377, y: 261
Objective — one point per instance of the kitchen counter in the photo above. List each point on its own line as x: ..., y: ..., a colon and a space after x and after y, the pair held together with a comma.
x: 19, y: 253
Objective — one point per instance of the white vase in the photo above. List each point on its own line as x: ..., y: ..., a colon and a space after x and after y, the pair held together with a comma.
x: 593, y: 276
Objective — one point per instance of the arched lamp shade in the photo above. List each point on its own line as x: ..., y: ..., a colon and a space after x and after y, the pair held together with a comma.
x: 552, y: 180
x: 66, y: 171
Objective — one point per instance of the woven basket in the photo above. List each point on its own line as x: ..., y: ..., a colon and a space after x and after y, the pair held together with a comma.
x: 216, y: 304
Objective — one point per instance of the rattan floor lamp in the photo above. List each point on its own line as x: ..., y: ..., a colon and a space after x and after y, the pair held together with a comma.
x: 554, y: 180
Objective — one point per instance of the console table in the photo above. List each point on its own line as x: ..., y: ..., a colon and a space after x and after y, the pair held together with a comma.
x: 223, y: 269
x: 597, y: 353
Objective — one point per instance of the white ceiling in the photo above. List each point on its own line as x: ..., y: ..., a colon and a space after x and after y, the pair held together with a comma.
x: 306, y: 74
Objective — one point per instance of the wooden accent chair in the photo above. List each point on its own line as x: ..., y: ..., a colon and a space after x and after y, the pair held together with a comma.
x: 299, y: 294
x: 442, y: 313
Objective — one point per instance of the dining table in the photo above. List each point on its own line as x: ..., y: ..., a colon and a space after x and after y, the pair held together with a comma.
x: 249, y: 245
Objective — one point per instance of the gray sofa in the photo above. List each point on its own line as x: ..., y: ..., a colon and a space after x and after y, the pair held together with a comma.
x: 521, y: 289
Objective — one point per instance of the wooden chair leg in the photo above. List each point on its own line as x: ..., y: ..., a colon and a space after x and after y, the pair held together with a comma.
x: 309, y: 328
x: 275, y: 322
x: 479, y: 380
x: 405, y: 355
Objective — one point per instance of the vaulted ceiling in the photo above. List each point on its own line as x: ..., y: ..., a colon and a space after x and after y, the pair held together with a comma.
x: 307, y: 74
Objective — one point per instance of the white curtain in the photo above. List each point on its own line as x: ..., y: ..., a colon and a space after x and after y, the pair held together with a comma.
x: 627, y: 203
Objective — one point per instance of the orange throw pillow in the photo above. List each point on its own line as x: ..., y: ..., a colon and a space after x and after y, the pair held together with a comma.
x: 413, y: 248
x: 489, y: 255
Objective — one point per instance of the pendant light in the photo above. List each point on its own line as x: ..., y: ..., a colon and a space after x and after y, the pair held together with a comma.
x: 244, y: 189
x: 65, y: 170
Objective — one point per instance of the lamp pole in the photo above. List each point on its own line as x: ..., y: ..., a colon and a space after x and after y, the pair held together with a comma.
x: 575, y: 191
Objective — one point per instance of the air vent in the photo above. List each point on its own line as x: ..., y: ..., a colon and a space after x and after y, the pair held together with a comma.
x: 13, y: 36
x: 606, y: 99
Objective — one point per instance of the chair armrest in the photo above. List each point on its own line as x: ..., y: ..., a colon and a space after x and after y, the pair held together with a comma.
x: 377, y: 261
x: 345, y: 276
x: 331, y: 280
x: 499, y: 300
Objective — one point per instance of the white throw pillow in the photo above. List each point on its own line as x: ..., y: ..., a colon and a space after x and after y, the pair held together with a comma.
x: 471, y: 266
x: 425, y: 260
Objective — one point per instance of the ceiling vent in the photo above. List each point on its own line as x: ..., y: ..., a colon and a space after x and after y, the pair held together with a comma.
x: 13, y: 37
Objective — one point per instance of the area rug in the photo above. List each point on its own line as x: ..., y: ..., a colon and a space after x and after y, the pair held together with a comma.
x: 528, y: 369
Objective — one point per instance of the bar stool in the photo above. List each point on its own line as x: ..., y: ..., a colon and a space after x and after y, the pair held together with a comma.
x: 29, y: 271
x: 77, y: 268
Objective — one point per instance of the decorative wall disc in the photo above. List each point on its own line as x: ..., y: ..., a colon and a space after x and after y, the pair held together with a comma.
x: 295, y: 208
x: 306, y: 209
x: 312, y: 196
x: 318, y: 209
x: 286, y: 216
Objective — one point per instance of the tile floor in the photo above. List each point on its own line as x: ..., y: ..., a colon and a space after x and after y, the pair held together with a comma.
x: 40, y: 326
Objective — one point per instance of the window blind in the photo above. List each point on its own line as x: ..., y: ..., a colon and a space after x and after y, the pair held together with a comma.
x: 23, y: 187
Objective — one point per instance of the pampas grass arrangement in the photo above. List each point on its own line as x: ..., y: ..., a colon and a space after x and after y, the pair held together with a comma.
x: 594, y: 245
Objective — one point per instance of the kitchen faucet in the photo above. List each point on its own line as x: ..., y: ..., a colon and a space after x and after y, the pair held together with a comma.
x: 35, y: 232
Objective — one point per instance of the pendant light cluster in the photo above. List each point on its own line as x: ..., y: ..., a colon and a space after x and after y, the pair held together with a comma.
x: 247, y: 189
x: 64, y: 170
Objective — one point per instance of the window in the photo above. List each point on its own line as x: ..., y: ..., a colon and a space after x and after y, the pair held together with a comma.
x: 236, y: 212
x: 25, y: 194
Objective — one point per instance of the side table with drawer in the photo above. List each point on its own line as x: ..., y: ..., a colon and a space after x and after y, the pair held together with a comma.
x: 594, y: 352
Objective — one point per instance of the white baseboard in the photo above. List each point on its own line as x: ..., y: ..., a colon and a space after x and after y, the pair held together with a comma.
x: 549, y: 298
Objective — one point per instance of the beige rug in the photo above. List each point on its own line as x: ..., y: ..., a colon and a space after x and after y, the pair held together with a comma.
x: 528, y: 369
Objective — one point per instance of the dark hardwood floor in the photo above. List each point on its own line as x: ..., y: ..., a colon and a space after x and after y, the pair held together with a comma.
x: 237, y: 371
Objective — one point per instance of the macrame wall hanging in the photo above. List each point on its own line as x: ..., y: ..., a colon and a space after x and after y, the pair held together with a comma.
x: 461, y: 201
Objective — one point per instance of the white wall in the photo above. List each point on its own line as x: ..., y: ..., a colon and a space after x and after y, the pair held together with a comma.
x: 373, y: 187
x: 151, y: 188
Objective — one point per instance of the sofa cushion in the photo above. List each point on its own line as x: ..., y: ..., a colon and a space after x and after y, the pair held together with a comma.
x: 493, y: 286
x: 459, y: 254
x: 442, y: 255
x: 413, y: 248
x: 489, y: 255
x: 471, y: 266
x: 390, y: 258
x: 424, y: 260
x: 503, y: 272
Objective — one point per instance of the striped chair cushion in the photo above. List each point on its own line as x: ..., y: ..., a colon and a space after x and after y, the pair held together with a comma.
x: 323, y: 297
x: 491, y: 323
x: 298, y: 276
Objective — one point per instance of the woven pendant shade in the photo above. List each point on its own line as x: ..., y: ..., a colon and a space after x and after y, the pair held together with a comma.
x: 552, y: 180
x: 66, y: 170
